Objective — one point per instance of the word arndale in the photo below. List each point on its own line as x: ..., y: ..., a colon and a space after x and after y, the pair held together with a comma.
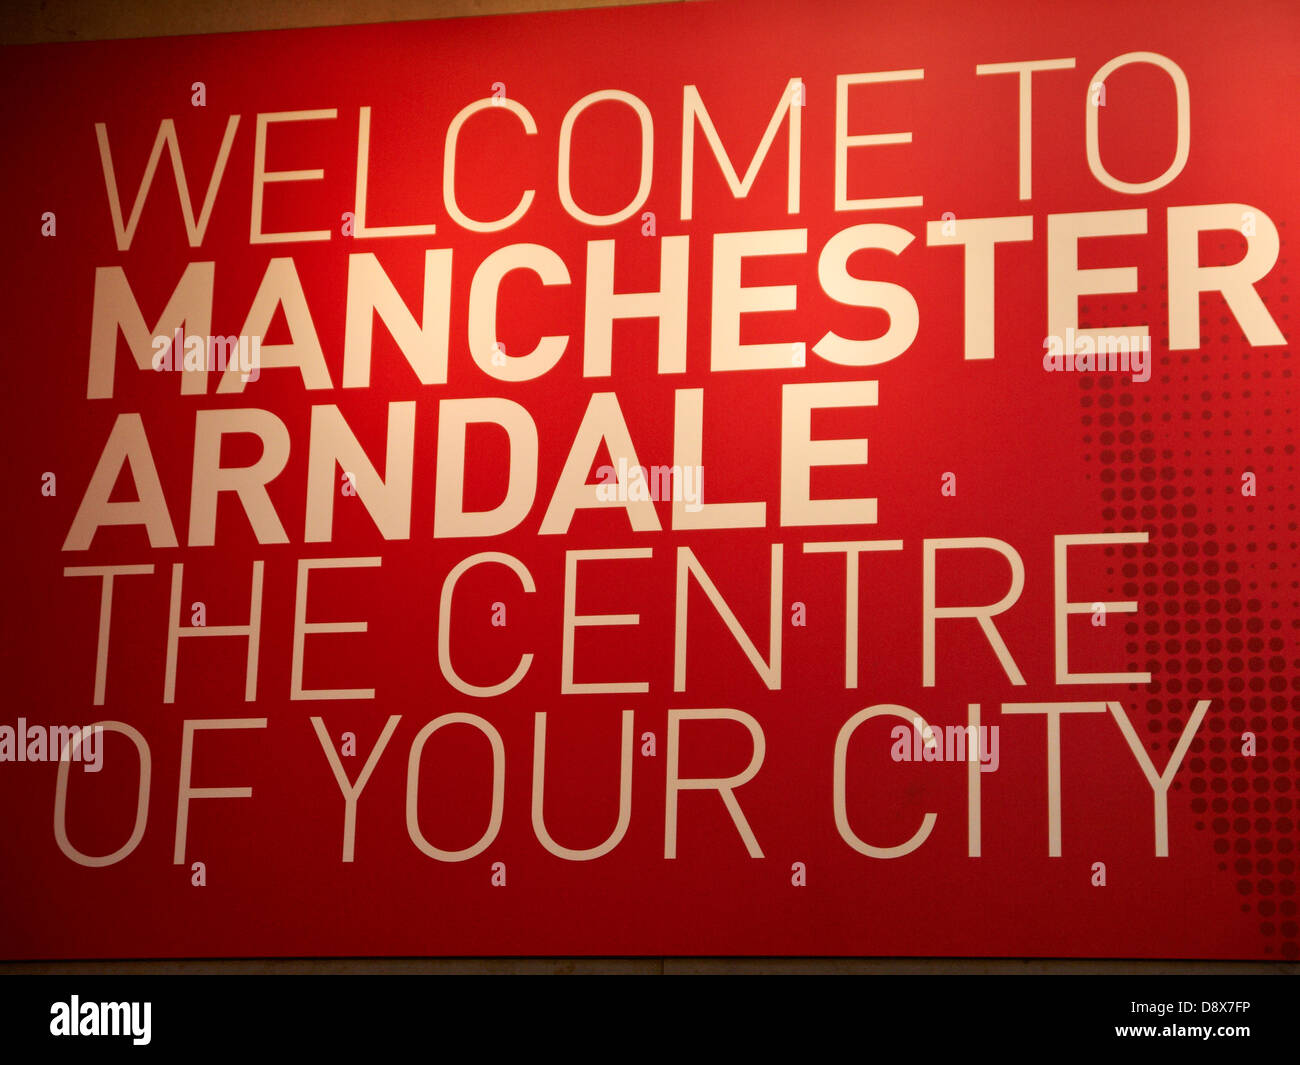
x: 626, y: 484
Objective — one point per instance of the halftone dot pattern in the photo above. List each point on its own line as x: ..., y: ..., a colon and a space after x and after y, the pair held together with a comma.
x: 1172, y: 453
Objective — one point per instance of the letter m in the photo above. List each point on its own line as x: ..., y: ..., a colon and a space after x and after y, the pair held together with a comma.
x: 693, y: 111
x: 115, y: 1016
x: 1109, y: 347
x: 61, y: 737
x: 116, y: 308
x: 962, y: 738
x: 223, y: 350
x: 661, y: 482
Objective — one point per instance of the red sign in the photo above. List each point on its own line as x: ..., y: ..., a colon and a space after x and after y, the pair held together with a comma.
x: 698, y: 479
